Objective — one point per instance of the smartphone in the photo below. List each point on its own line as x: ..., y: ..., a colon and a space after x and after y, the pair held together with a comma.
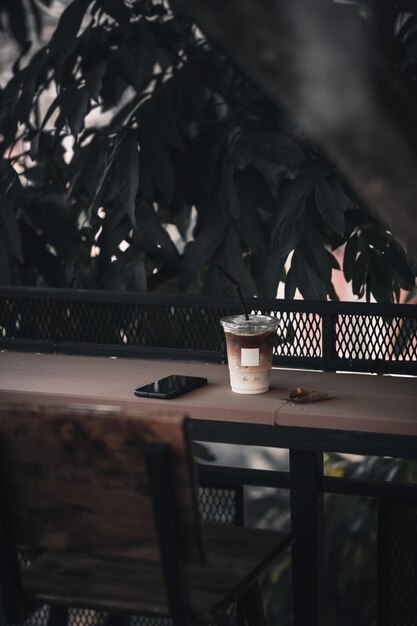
x: 170, y: 387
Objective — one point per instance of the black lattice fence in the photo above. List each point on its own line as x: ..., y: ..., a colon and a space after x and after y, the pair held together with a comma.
x: 329, y: 336
x: 377, y: 337
x: 397, y: 575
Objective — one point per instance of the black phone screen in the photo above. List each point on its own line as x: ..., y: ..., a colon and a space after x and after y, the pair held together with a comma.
x: 170, y: 386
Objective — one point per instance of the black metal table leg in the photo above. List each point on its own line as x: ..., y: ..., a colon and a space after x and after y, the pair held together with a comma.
x: 306, y: 471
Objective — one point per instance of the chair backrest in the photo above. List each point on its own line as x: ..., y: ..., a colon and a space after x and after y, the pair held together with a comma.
x: 76, y: 479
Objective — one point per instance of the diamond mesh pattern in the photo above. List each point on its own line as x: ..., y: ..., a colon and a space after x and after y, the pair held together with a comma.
x: 220, y: 505
x: 171, y: 327
x: 299, y: 334
x: 38, y: 618
x: 112, y: 323
x: 374, y: 337
x: 400, y: 574
x: 144, y: 325
x: 28, y: 319
x: 86, y: 617
x: 324, y: 336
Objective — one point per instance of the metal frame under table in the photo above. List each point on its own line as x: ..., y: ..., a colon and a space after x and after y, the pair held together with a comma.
x: 369, y: 414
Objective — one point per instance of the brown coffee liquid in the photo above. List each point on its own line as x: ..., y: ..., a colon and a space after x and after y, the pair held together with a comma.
x: 263, y: 341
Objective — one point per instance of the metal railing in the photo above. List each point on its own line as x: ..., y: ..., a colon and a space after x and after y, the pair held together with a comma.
x: 327, y: 336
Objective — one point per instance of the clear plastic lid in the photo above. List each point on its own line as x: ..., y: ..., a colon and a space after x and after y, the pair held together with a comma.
x: 255, y: 325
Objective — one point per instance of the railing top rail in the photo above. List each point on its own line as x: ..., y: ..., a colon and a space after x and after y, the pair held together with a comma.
x: 130, y: 297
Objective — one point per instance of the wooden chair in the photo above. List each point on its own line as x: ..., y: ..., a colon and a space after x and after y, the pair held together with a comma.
x: 108, y: 496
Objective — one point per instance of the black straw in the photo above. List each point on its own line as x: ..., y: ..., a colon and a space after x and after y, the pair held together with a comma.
x: 239, y: 291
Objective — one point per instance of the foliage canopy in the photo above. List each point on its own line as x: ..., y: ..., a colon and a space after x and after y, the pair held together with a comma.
x: 158, y: 158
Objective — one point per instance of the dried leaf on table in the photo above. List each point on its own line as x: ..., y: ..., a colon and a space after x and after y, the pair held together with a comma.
x: 301, y: 395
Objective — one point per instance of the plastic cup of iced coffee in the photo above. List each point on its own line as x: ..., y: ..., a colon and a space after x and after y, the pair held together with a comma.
x: 249, y: 344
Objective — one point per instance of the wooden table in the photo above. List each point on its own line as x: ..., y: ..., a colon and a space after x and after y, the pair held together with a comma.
x: 369, y: 414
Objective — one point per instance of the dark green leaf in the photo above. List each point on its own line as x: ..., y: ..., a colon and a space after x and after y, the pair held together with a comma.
x: 156, y: 158
x: 329, y: 207
x: 230, y: 189
x: 69, y: 25
x: 410, y: 48
x: 349, y: 257
x: 10, y: 231
x: 34, y: 145
x: 94, y: 80
x: 54, y: 105
x: 8, y: 117
x: 116, y: 228
x: 17, y: 21
x: 331, y: 292
x: 309, y: 284
x: 182, y: 220
x: 150, y: 227
x: 37, y: 175
x: 47, y: 264
x: 127, y: 174
x: 4, y: 266
x: 408, y: 27
x: 37, y: 17
x: 25, y: 104
x: 98, y: 193
x: 117, y: 10
x: 292, y: 228
x: 334, y: 263
x: 135, y: 274
x: 343, y: 200
x: 112, y: 88
x: 198, y: 252
x: 376, y: 236
x: 273, y: 273
x: 126, y: 66
x: 398, y: 260
x: 378, y: 279
x: 290, y: 285
x: 315, y: 255
x: 168, y: 120
x: 360, y: 274
x: 60, y: 123
x: 23, y: 52
x: 249, y: 229
x: 254, y: 187
x: 290, y: 203
x: 273, y: 147
x: 306, y: 180
x: 9, y: 179
x: 74, y: 107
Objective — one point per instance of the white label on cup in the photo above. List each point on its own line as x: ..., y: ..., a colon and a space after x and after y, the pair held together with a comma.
x: 249, y: 357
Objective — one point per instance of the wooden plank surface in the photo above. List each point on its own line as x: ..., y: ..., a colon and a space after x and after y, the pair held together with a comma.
x: 367, y: 403
x: 79, y: 478
x: 108, y: 380
x: 235, y: 556
x: 363, y: 403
